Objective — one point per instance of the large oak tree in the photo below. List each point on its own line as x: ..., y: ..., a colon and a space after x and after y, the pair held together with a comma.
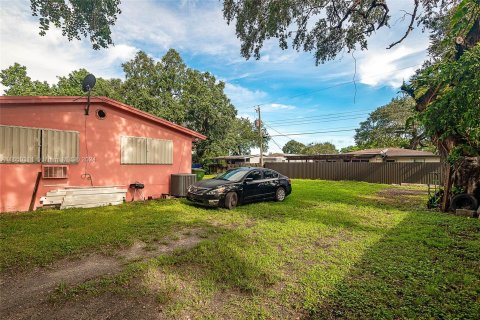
x: 393, y: 125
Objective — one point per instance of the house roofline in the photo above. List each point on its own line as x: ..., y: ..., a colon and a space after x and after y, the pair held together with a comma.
x: 42, y: 100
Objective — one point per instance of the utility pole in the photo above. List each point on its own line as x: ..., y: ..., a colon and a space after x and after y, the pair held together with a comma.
x: 259, y: 126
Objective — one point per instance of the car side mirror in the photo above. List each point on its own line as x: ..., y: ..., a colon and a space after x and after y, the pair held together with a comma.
x: 248, y: 180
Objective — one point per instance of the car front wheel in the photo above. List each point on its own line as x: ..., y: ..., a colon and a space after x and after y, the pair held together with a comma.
x: 231, y: 200
x: 280, y: 194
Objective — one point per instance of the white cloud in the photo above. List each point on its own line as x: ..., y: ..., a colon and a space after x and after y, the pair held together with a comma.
x: 276, y: 107
x: 378, y: 67
x: 200, y: 29
x: 244, y: 99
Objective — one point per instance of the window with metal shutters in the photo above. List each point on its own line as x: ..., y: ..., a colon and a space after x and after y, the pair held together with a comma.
x: 35, y: 145
x: 19, y: 144
x: 140, y: 150
x: 133, y: 150
x: 60, y: 146
x: 159, y: 151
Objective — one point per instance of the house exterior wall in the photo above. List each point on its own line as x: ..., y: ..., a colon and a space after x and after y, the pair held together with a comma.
x: 254, y: 159
x: 416, y: 159
x: 100, y: 155
x: 406, y: 159
x: 376, y: 159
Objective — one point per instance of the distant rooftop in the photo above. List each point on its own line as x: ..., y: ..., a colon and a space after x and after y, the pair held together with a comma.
x: 247, y: 156
x: 392, y: 152
x: 365, y: 154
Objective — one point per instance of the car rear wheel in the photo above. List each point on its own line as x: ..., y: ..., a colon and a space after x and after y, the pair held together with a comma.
x: 231, y: 200
x: 280, y: 194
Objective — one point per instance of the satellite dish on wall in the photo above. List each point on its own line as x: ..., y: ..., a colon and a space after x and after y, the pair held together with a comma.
x: 88, y: 83
x: 87, y: 86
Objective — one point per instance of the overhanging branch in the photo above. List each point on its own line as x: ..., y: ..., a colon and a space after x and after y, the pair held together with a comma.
x: 410, y: 26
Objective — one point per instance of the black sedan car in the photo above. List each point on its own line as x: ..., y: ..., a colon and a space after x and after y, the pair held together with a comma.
x: 240, y: 185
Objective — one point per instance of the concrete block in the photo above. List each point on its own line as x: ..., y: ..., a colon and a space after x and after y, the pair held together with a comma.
x: 465, y: 212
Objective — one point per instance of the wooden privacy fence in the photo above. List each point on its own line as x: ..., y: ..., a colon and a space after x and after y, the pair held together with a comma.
x: 385, y: 172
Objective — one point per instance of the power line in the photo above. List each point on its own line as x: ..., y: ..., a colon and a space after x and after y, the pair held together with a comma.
x: 276, y: 143
x: 333, y: 86
x: 321, y: 116
x: 307, y: 133
x: 330, y: 117
x: 280, y: 124
x: 281, y: 134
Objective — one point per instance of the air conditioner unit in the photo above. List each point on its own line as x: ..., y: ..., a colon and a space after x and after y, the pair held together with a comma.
x: 180, y: 182
x: 54, y: 172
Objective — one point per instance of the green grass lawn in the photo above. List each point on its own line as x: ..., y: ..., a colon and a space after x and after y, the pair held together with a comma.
x: 331, y: 250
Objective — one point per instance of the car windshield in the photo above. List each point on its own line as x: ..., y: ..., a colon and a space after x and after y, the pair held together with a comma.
x: 233, y: 175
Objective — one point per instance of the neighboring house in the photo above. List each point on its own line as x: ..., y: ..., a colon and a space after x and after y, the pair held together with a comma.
x: 114, y: 145
x: 250, y: 159
x: 275, y: 157
x: 238, y: 160
x: 223, y: 163
x: 370, y: 155
x: 393, y: 155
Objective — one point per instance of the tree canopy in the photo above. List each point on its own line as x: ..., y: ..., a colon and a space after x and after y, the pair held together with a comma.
x: 320, y: 148
x: 392, y: 125
x: 293, y: 147
x: 324, y: 27
x: 77, y: 18
x: 165, y: 88
x: 446, y: 92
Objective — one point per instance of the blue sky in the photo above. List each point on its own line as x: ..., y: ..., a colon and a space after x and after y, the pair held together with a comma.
x: 295, y: 95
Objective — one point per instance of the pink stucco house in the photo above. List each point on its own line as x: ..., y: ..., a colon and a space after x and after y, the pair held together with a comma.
x: 51, y: 142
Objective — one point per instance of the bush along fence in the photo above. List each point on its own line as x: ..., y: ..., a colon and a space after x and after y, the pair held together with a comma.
x: 386, y: 172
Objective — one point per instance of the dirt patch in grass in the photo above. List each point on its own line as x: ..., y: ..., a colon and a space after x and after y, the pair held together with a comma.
x: 20, y: 290
x: 141, y: 250
x: 401, y: 198
x: 22, y: 293
x: 393, y: 192
x: 105, y: 306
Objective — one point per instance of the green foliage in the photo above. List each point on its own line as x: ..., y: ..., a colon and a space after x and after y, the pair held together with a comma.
x: 350, y: 149
x: 326, y: 28
x: 167, y: 89
x: 17, y: 81
x: 77, y: 18
x: 320, y: 148
x: 242, y: 136
x: 293, y: 147
x: 156, y: 87
x: 392, y: 125
x: 446, y: 89
x: 208, y: 110
x: 455, y: 111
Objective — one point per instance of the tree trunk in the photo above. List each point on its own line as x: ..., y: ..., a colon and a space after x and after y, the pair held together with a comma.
x: 444, y: 147
x: 467, y: 176
x: 463, y: 177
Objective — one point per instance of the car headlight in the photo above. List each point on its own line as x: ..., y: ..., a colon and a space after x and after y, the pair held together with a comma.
x: 216, y: 191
